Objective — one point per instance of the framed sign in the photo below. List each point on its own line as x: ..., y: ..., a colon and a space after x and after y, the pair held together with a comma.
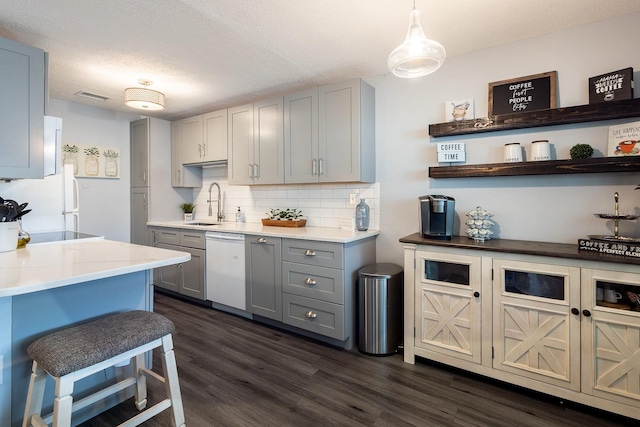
x: 528, y: 93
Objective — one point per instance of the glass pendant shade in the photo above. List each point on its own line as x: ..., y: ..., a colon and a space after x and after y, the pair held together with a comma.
x: 143, y: 98
x: 417, y: 56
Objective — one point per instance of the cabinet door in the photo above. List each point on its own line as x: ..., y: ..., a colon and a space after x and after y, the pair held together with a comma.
x: 177, y: 154
x: 139, y: 140
x: 170, y: 276
x: 268, y: 141
x: 448, y: 305
x: 301, y: 137
x: 535, y: 334
x: 193, y: 139
x: 215, y: 136
x: 611, y: 335
x: 21, y: 110
x: 264, y: 276
x: 240, y: 145
x: 139, y: 215
x: 346, y: 132
x: 193, y: 273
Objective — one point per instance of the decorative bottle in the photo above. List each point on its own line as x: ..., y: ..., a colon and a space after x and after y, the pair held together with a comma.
x: 362, y: 216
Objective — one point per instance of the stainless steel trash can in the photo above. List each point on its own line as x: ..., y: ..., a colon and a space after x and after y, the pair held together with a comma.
x: 380, y: 307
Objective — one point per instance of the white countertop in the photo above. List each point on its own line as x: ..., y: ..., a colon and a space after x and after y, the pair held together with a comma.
x: 41, y: 267
x: 324, y: 234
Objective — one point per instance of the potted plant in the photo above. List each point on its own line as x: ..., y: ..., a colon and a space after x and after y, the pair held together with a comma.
x: 188, y: 209
x: 284, y: 218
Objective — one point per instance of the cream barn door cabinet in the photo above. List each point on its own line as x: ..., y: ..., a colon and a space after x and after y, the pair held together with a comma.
x: 538, y: 315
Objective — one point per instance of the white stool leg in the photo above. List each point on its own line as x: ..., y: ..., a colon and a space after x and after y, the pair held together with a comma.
x: 172, y: 385
x: 36, y: 394
x: 63, y: 404
x: 141, y: 382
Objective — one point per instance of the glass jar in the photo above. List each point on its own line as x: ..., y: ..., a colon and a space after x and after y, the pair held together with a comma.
x: 362, y: 216
x: 111, y: 167
x: 91, y: 166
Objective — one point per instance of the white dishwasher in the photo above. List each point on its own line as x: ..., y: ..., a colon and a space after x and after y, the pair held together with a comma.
x: 225, y: 272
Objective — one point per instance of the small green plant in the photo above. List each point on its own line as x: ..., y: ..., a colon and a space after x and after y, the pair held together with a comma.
x: 187, y: 207
x: 581, y: 151
x: 284, y: 214
x: 110, y: 153
x: 70, y: 148
x: 93, y: 151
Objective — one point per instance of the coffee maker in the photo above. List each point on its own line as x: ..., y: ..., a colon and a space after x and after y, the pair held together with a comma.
x: 436, y: 216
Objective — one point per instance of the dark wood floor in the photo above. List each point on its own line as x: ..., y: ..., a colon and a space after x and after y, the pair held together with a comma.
x: 235, y: 372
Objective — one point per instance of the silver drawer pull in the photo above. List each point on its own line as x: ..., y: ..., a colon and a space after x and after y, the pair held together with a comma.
x: 262, y: 240
x: 310, y: 281
x: 309, y: 252
x: 310, y: 314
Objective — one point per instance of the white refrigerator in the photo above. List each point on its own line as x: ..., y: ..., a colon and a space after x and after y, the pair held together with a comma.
x: 71, y: 201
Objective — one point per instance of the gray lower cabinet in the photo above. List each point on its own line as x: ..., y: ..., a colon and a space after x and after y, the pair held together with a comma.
x: 263, y: 281
x: 307, y: 285
x: 185, y: 278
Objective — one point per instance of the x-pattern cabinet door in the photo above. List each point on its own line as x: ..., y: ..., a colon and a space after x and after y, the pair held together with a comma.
x: 535, y: 333
x: 611, y: 336
x: 448, y: 307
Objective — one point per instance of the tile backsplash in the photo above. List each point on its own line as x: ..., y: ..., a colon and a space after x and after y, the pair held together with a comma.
x: 323, y: 205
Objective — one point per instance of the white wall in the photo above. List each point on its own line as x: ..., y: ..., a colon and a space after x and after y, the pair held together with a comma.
x: 554, y: 208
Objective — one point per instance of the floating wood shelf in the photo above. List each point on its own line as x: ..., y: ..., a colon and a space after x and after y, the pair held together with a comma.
x: 555, y: 116
x: 549, y: 167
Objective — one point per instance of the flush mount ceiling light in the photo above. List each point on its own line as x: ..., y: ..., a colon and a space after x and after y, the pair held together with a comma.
x: 144, y: 98
x: 417, y: 56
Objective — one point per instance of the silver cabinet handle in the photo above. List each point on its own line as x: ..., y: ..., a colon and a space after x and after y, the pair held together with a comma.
x: 262, y: 240
x: 251, y: 173
x: 144, y: 199
x: 178, y: 180
x: 310, y: 281
x: 309, y: 252
x: 256, y: 170
x: 199, y: 150
x: 155, y: 237
x: 321, y: 169
x: 313, y: 166
x: 310, y: 315
x: 144, y: 176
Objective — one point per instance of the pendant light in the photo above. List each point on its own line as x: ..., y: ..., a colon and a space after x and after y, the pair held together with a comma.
x: 417, y: 56
x: 144, y: 98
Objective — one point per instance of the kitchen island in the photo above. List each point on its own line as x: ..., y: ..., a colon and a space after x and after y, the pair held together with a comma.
x: 44, y: 288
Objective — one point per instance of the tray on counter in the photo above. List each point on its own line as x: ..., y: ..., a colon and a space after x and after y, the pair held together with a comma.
x: 284, y: 223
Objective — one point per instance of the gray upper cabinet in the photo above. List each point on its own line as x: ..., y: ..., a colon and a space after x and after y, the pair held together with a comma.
x: 193, y: 138
x: 256, y: 143
x: 346, y: 132
x: 240, y: 144
x: 214, y: 146
x: 329, y: 134
x: 182, y: 176
x: 268, y: 142
x: 301, y: 137
x: 139, y: 141
x: 21, y: 110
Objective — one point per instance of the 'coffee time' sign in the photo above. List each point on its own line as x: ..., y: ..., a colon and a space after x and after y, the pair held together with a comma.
x: 529, y: 93
x: 451, y: 152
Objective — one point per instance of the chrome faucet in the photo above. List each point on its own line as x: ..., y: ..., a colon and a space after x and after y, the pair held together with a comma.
x: 220, y: 214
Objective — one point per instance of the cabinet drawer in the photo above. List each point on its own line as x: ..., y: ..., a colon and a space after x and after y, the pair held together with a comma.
x: 321, y: 254
x: 169, y: 236
x: 312, y: 315
x: 325, y: 284
x: 192, y: 239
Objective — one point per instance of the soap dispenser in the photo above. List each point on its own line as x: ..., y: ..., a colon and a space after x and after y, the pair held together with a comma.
x: 239, y: 215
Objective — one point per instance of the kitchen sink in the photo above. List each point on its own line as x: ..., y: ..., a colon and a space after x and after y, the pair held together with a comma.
x: 202, y: 224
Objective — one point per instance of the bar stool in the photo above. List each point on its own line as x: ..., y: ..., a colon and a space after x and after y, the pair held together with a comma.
x: 79, y: 351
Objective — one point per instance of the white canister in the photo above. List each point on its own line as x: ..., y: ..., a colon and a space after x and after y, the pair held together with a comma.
x: 512, y: 152
x: 540, y: 150
x: 8, y: 236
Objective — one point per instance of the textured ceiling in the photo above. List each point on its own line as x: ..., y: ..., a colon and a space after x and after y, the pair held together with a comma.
x: 210, y: 54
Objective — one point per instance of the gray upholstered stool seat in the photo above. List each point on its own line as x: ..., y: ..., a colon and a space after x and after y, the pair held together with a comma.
x: 79, y: 351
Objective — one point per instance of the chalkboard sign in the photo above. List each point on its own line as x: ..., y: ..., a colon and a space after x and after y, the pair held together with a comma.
x: 529, y: 93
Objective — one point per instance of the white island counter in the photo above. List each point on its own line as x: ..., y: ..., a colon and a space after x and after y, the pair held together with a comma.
x: 44, y: 288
